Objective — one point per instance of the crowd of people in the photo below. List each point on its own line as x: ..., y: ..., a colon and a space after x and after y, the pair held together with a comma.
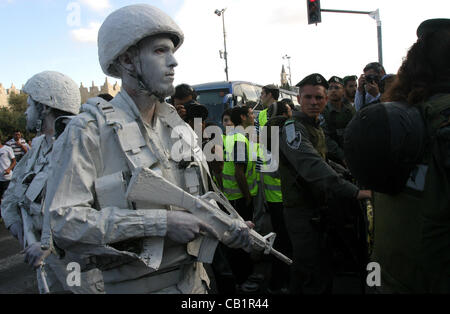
x: 10, y: 154
x: 377, y: 145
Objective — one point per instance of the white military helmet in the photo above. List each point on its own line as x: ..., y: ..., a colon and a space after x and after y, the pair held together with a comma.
x: 55, y: 90
x: 127, y: 26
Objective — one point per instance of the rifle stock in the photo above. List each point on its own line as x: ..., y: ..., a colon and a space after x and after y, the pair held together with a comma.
x: 147, y: 186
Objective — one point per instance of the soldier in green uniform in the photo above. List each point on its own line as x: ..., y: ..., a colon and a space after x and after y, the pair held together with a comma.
x: 307, y: 181
x: 412, y: 203
x: 337, y: 114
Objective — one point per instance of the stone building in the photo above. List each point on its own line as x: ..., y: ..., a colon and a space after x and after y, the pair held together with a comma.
x: 284, y: 78
x: 5, y: 93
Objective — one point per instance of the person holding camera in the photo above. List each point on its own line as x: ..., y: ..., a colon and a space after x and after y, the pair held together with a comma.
x: 184, y: 94
x: 369, y: 85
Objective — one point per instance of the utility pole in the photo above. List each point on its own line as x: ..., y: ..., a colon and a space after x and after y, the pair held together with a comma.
x: 222, y: 13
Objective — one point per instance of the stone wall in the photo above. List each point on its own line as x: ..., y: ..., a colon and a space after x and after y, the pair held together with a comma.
x: 5, y: 93
x: 93, y: 91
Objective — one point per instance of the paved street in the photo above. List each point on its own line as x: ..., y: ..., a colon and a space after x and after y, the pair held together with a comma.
x: 15, y: 275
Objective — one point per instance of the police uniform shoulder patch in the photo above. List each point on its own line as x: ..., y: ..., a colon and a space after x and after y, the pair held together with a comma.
x: 293, y: 137
x: 321, y: 120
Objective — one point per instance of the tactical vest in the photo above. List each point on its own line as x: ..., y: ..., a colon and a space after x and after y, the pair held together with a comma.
x: 412, y: 229
x: 111, y: 191
x: 316, y: 137
x: 230, y: 185
x: 33, y: 183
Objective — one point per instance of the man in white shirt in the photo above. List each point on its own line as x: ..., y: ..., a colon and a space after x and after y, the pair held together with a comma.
x: 7, y: 164
x: 19, y: 145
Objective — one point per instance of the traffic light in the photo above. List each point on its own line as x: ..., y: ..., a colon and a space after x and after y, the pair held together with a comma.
x: 314, y: 15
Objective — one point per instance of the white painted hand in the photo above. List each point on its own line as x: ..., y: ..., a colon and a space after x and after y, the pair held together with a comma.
x: 183, y: 227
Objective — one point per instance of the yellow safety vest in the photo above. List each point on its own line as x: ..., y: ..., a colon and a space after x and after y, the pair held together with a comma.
x: 262, y: 118
x: 272, y: 182
x: 230, y: 185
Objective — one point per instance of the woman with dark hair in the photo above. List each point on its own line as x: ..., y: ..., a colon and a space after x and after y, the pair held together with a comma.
x: 425, y: 71
x: 401, y: 150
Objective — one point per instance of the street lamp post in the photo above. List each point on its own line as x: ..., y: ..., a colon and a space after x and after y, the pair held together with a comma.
x: 222, y: 13
x: 289, y: 67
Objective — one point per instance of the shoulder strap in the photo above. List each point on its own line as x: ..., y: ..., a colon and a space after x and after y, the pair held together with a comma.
x: 134, y: 147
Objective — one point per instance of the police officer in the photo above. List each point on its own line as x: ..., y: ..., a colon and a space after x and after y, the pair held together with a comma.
x: 306, y: 182
x: 409, y: 138
x: 336, y: 115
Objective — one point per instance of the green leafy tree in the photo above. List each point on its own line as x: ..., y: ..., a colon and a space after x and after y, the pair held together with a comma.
x: 18, y: 102
x: 13, y: 118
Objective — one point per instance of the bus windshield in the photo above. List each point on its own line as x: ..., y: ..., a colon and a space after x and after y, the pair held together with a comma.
x: 213, y: 100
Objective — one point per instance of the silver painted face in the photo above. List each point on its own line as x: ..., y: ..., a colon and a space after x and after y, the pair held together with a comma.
x: 157, y: 64
x: 32, y: 115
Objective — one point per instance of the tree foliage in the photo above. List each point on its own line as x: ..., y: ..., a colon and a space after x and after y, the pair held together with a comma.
x: 13, y: 118
x: 18, y: 102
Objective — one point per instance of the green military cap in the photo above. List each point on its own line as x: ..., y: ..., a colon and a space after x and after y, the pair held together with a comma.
x: 335, y: 79
x: 313, y: 79
x: 431, y: 25
x: 349, y: 78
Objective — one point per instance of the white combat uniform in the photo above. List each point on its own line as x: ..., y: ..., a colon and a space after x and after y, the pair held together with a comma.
x: 90, y: 215
x: 27, y: 189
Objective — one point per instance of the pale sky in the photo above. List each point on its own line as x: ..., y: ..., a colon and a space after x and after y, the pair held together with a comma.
x: 39, y: 35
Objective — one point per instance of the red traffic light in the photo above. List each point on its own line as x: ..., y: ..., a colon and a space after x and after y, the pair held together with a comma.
x: 314, y: 14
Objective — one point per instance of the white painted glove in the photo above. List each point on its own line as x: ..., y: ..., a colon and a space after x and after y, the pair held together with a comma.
x: 238, y: 236
x: 183, y: 227
x: 16, y: 230
x: 34, y: 255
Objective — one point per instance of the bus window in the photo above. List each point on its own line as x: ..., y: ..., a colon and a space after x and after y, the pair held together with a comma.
x: 213, y: 100
x: 249, y: 92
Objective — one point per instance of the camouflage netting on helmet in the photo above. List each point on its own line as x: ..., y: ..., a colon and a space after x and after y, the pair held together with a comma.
x: 127, y: 26
x: 55, y: 90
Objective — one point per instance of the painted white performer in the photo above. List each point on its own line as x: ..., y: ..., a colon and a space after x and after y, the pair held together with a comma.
x: 141, y: 247
x: 52, y: 97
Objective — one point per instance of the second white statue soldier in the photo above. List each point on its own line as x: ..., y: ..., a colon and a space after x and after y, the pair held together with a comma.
x: 140, y: 249
x: 52, y: 96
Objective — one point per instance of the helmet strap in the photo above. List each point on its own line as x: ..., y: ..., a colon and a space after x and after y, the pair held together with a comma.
x: 39, y: 126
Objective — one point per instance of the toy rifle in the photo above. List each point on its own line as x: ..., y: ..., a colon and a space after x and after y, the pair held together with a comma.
x: 147, y: 186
